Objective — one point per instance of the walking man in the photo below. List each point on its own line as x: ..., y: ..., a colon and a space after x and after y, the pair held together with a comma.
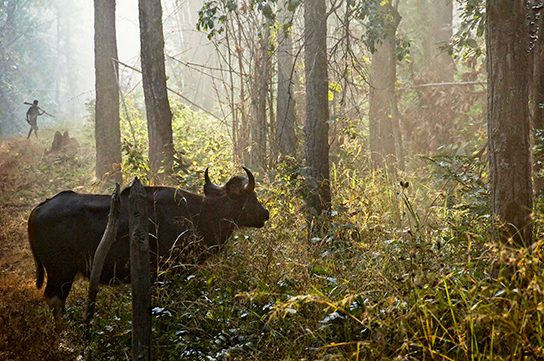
x: 32, y: 118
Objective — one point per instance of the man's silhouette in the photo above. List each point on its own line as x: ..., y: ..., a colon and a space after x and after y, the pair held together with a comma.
x: 32, y: 118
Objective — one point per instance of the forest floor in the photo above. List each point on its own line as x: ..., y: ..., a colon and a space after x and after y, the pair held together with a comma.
x: 399, y: 274
x: 27, y: 177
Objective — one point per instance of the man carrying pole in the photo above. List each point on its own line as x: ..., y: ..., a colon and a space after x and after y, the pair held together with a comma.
x: 32, y: 118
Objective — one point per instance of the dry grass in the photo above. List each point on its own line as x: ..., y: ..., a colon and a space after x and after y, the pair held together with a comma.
x: 395, y: 276
x: 26, y: 178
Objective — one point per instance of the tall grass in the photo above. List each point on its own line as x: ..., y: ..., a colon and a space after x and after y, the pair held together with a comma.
x: 401, y: 273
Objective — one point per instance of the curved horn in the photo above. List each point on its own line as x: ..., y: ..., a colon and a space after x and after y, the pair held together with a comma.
x: 211, y: 188
x: 250, y: 186
x: 207, y: 178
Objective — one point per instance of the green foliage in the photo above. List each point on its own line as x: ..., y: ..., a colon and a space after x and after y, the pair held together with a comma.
x: 469, y: 175
x: 538, y: 148
x: 267, y: 8
x: 213, y: 14
x: 292, y: 5
x: 368, y: 10
x: 200, y: 142
x: 104, y: 340
x: 376, y: 18
x: 134, y: 141
x: 135, y: 160
x: 469, y: 39
x: 402, y: 49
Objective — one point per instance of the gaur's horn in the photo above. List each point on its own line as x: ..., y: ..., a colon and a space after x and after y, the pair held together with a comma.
x: 209, y: 183
x: 250, y: 186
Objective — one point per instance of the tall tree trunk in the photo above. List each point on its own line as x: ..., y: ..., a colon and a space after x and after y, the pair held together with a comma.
x: 242, y: 127
x: 159, y: 117
x: 441, y: 69
x: 317, y: 106
x: 286, y: 101
x: 538, y: 98
x: 65, y: 69
x: 107, y: 132
x: 508, y: 122
x: 385, y: 141
x: 261, y: 80
x: 442, y: 64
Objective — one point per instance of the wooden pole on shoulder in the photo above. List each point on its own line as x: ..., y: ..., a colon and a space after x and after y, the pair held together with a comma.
x: 44, y: 112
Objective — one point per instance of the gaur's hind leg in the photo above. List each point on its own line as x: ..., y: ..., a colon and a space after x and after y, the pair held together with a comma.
x: 56, y: 305
x: 56, y: 293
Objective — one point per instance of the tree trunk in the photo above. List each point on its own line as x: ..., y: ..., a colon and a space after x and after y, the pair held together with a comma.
x: 140, y: 274
x: 385, y: 141
x: 440, y: 32
x: 317, y: 107
x: 538, y: 99
x: 241, y: 128
x: 159, y: 117
x: 440, y: 118
x: 508, y: 122
x: 261, y: 80
x: 285, y: 99
x: 107, y: 132
x: 102, y: 251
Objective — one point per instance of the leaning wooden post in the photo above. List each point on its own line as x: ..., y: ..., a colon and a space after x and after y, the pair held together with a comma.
x: 139, y: 273
x: 102, y: 251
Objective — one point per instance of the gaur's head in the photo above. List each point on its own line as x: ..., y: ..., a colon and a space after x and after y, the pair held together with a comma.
x: 241, y: 191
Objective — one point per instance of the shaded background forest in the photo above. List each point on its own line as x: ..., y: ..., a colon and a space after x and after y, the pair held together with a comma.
x: 48, y: 56
x: 385, y: 254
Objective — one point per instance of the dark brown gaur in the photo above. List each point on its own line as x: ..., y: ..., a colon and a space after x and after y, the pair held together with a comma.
x: 65, y: 231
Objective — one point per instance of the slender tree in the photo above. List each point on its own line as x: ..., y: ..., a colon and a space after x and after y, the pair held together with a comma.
x: 317, y: 106
x: 159, y: 117
x: 285, y: 99
x: 261, y: 79
x: 385, y: 141
x: 440, y: 34
x: 437, y: 102
x: 508, y: 122
x: 107, y: 132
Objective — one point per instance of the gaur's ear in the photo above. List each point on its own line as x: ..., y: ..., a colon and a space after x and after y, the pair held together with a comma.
x: 211, y: 191
x: 233, y: 190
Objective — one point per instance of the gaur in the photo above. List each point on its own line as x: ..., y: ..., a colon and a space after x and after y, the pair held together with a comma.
x: 64, y: 231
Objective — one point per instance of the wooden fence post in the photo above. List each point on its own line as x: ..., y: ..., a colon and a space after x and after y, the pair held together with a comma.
x: 139, y: 273
x: 102, y: 252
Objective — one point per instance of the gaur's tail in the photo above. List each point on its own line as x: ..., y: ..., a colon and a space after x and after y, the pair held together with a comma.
x: 40, y: 273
